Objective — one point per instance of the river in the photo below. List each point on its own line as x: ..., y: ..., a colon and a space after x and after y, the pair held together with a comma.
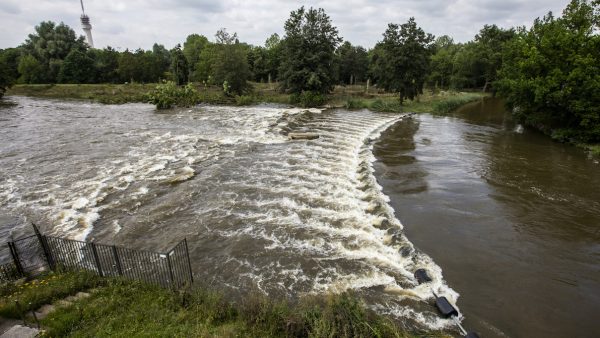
x: 505, y: 221
x: 512, y: 217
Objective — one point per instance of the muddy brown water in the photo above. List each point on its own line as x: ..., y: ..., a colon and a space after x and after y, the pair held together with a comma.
x: 512, y: 218
x: 505, y: 220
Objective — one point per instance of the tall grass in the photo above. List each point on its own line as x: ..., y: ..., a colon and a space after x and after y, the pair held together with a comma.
x: 433, y: 103
x: 33, y: 294
x: 119, y: 307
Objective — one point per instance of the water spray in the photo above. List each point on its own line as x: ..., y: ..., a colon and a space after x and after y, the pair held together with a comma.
x: 443, y: 305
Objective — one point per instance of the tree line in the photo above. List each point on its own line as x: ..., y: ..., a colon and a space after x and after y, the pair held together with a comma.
x: 548, y: 73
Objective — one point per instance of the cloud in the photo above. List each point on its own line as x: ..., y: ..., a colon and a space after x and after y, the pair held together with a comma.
x: 10, y: 8
x: 139, y: 23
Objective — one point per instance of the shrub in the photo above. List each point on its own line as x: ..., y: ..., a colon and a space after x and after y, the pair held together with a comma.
x: 168, y: 94
x: 244, y: 100
x: 308, y: 99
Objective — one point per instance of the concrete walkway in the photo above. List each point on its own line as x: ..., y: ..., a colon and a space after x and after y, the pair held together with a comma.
x: 20, y: 331
x: 11, y: 328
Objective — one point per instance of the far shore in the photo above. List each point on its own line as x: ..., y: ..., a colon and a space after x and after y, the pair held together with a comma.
x: 349, y: 97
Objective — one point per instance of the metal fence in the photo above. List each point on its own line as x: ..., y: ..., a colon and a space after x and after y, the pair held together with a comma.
x: 8, y: 272
x: 37, y: 252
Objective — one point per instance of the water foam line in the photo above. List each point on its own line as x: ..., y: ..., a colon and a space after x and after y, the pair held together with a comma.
x: 443, y: 304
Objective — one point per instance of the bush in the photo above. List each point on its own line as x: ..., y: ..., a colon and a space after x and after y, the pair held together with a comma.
x: 244, y: 100
x: 308, y: 99
x: 355, y: 104
x: 168, y: 94
x: 393, y: 105
x: 449, y: 104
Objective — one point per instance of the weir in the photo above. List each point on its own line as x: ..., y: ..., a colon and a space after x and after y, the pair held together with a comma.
x: 259, y: 210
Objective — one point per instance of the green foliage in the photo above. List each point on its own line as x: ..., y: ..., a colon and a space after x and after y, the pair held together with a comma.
x: 192, y: 48
x: 441, y: 68
x: 244, y: 100
x: 50, y: 44
x: 127, y: 308
x: 308, y: 52
x: 31, y: 70
x: 6, y: 78
x: 106, y: 63
x: 179, y: 65
x: 551, y: 76
x: 403, y: 58
x: 9, y: 60
x: 451, y: 103
x: 167, y: 95
x: 231, y: 67
x: 225, y: 61
x: 140, y: 66
x: 353, y: 63
x: 77, y: 67
x: 308, y: 99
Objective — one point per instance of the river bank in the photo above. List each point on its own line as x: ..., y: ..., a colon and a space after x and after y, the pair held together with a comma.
x: 119, y: 307
x: 350, y: 97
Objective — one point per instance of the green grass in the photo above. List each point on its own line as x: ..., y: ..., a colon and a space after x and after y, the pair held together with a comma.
x: 350, y: 97
x: 123, y: 308
x: 440, y: 103
x: 103, y: 93
x: 593, y: 149
x: 44, y: 290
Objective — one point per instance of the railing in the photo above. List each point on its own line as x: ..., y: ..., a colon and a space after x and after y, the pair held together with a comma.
x: 37, y: 252
x: 9, y: 272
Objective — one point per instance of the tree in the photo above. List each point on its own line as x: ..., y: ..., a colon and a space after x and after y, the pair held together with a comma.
x: 353, y: 63
x: 204, y: 66
x: 30, y: 69
x: 258, y: 60
x: 551, y: 74
x: 179, y: 65
x: 403, y: 59
x: 489, y: 45
x: 106, y: 64
x: 224, y: 38
x: 442, y: 62
x: 231, y: 67
x: 9, y: 61
x: 77, y: 67
x: 50, y: 44
x: 192, y: 48
x: 273, y: 56
x: 308, y: 51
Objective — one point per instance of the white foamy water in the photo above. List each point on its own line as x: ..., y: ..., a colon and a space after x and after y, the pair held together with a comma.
x: 259, y: 210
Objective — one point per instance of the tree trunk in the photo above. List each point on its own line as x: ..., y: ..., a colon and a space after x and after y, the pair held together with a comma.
x: 485, y: 86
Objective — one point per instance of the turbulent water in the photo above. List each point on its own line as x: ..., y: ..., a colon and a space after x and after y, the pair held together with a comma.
x: 260, y: 212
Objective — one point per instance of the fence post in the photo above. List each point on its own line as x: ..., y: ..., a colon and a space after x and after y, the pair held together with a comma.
x: 117, y: 261
x: 170, y: 270
x: 96, y: 259
x: 15, y: 257
x: 50, y: 255
x: 43, y: 244
x: 187, y: 253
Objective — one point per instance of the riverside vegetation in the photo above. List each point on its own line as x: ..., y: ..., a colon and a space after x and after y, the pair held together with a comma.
x: 118, y: 307
x: 548, y: 73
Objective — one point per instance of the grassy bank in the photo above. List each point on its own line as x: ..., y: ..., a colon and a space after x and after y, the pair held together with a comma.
x: 351, y: 97
x: 103, y: 93
x: 439, y: 103
x: 119, y: 307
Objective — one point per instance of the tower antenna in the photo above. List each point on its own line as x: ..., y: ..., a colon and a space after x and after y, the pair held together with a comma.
x: 86, y: 25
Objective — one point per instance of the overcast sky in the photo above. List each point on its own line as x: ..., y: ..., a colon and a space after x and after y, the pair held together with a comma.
x: 140, y: 23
